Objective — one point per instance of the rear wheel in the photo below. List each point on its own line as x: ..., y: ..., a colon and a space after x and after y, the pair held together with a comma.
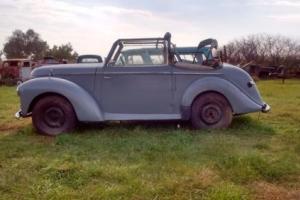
x: 211, y: 110
x: 53, y: 115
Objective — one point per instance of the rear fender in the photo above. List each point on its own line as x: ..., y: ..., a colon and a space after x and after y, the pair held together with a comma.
x: 240, y: 102
x: 85, y: 106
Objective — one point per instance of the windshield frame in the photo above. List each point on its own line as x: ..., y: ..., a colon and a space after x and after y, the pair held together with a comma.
x: 119, y: 45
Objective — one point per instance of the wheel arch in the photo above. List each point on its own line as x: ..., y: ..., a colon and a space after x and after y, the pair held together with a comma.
x: 240, y: 103
x: 84, y: 105
x: 44, y: 95
x: 211, y: 91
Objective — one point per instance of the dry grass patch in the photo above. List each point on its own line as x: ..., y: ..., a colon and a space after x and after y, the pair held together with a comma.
x: 269, y: 191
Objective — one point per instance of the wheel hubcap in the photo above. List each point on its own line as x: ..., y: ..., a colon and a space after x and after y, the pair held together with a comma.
x: 211, y: 114
x: 54, y: 117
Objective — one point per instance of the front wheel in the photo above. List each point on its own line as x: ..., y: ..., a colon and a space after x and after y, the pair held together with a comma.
x: 211, y: 111
x: 53, y: 115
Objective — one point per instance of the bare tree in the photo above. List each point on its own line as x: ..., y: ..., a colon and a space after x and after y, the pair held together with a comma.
x: 264, y: 49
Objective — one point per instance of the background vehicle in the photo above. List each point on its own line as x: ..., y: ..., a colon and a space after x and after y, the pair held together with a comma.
x: 130, y: 87
x: 89, y: 59
x: 15, y: 71
x: 48, y: 60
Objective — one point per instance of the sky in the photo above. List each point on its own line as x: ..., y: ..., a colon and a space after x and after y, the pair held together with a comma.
x: 91, y: 26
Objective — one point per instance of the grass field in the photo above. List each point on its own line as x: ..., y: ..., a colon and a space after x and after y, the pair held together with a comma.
x: 258, y: 157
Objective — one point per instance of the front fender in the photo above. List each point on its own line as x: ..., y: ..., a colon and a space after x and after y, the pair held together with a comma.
x: 85, y: 106
x: 240, y: 102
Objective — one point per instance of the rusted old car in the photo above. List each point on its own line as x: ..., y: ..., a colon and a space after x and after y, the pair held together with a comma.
x: 16, y: 70
x: 48, y: 60
x: 141, y: 79
x: 259, y: 71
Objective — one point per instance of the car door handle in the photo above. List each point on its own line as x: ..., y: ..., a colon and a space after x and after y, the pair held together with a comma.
x: 107, y: 77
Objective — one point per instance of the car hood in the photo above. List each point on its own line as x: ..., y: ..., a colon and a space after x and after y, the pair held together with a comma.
x: 66, y: 69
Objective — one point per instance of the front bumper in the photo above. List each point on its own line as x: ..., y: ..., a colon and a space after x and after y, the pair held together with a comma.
x: 19, y: 114
x: 265, y: 108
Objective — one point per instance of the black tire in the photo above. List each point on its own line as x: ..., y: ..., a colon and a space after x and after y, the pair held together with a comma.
x: 211, y: 111
x: 53, y: 115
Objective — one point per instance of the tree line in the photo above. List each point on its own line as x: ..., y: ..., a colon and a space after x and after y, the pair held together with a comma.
x: 265, y: 50
x: 29, y: 44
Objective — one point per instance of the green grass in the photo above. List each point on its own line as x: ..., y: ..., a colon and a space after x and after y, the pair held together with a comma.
x: 258, y: 157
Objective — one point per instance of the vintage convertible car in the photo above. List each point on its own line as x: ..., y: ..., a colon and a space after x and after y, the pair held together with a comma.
x: 141, y: 79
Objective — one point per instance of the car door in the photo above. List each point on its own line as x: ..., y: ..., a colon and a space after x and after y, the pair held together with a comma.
x: 136, y: 90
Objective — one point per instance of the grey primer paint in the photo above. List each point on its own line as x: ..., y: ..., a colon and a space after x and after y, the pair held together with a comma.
x: 101, y: 92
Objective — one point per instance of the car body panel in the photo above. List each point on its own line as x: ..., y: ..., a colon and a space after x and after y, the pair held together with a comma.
x: 135, y: 90
x: 82, y: 75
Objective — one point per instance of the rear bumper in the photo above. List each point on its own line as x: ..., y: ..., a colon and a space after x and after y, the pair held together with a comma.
x: 265, y: 108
